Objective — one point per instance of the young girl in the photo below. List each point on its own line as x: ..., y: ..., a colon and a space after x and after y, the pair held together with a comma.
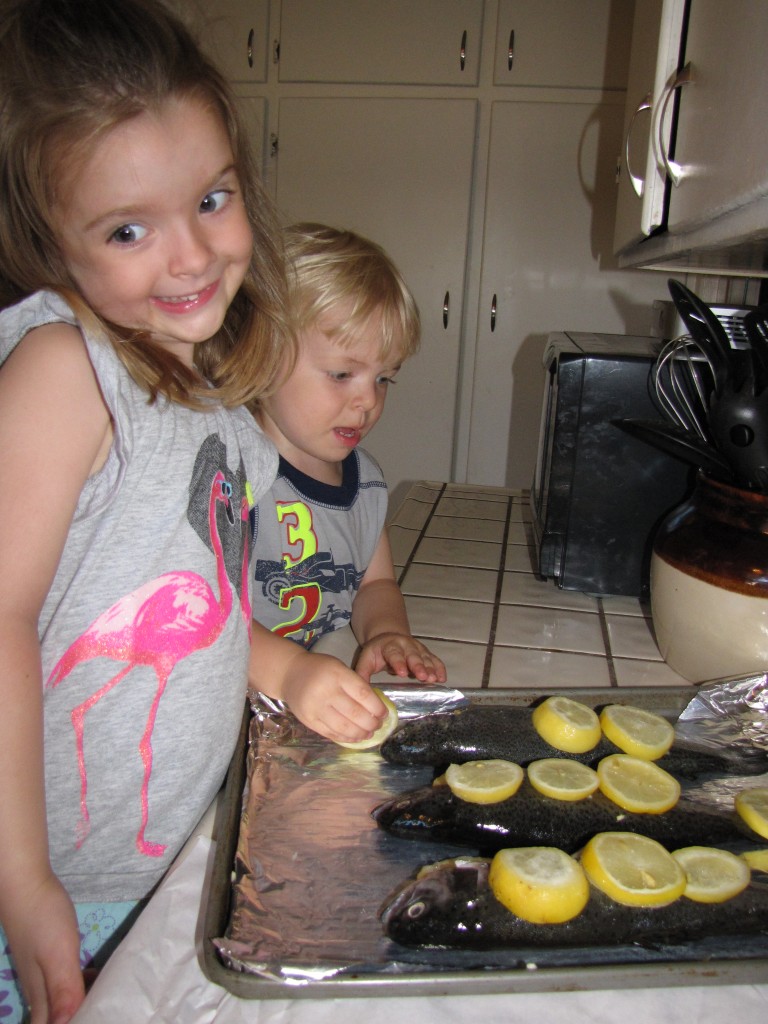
x: 322, y: 558
x: 138, y: 248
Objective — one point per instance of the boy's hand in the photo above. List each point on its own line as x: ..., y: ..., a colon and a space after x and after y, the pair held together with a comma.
x: 401, y: 655
x: 331, y: 699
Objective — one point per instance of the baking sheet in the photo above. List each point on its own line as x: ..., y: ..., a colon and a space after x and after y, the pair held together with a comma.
x: 296, y: 890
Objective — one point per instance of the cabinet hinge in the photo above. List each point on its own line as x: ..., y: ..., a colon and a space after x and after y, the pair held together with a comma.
x: 276, y: 51
x: 272, y: 145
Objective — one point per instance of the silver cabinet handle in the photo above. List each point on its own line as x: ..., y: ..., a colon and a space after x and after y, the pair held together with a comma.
x: 250, y: 49
x: 511, y: 50
x: 674, y: 170
x: 463, y: 50
x: 493, y: 314
x: 638, y: 183
x: 446, y: 308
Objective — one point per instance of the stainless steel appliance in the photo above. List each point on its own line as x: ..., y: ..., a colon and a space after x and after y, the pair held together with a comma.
x: 599, y: 493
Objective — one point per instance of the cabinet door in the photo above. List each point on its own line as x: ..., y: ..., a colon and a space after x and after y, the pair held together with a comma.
x: 721, y: 145
x: 381, y: 41
x: 400, y: 172
x: 573, y: 43
x: 235, y: 35
x: 642, y: 179
x: 547, y: 266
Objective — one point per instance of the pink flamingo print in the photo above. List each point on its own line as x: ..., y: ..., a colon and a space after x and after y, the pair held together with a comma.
x: 158, y: 624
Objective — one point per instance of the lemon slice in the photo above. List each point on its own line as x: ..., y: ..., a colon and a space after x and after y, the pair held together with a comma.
x: 637, y: 732
x: 756, y: 859
x: 567, y: 724
x: 752, y: 806
x: 636, y: 785
x: 633, y: 869
x: 484, y: 782
x: 540, y: 884
x: 562, y: 779
x: 386, y: 728
x: 712, y: 875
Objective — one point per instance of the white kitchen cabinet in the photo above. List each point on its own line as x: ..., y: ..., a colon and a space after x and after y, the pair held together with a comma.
x: 721, y: 146
x: 400, y: 172
x: 582, y: 44
x: 381, y: 41
x: 641, y: 176
x: 479, y: 183
x: 236, y: 36
x: 547, y: 265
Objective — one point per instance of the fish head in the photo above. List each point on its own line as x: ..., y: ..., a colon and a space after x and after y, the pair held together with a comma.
x: 440, y: 898
x: 424, y: 813
x: 423, y: 740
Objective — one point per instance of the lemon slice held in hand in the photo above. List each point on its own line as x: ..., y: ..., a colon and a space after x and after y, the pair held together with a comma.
x: 752, y: 807
x: 386, y: 728
x: 638, y: 732
x: 540, y: 884
x: 636, y: 785
x: 756, y: 859
x: 567, y: 724
x: 484, y: 782
x: 562, y: 779
x: 712, y: 875
x: 633, y: 869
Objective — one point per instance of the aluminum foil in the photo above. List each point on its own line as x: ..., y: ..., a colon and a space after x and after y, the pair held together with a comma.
x: 312, y: 868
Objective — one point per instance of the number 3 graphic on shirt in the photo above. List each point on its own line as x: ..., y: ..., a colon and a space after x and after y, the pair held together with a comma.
x: 297, y: 519
x: 309, y: 597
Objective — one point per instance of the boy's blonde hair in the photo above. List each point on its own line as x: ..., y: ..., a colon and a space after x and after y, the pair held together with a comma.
x: 72, y: 70
x: 332, y: 270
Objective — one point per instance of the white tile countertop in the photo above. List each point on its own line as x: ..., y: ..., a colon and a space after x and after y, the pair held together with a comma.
x: 464, y: 560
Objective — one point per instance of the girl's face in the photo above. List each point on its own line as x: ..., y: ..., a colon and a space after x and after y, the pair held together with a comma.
x: 153, y: 228
x: 334, y: 396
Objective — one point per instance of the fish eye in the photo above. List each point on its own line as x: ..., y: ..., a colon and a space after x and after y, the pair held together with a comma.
x: 416, y: 909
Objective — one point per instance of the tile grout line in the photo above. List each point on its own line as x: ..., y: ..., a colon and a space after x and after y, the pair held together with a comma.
x: 497, y: 600
x: 612, y: 680
x: 415, y: 548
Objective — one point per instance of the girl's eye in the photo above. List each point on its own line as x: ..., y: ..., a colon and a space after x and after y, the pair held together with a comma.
x: 386, y: 381
x: 339, y: 375
x: 215, y: 200
x: 128, y: 234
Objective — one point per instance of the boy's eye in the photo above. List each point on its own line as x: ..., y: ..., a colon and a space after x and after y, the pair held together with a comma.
x: 339, y: 374
x: 386, y: 380
x: 215, y: 200
x: 128, y: 234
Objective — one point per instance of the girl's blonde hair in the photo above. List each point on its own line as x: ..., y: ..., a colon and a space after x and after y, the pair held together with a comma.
x: 72, y: 70
x: 333, y: 271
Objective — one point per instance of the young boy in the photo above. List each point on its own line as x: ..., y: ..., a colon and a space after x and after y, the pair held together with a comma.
x: 322, y: 558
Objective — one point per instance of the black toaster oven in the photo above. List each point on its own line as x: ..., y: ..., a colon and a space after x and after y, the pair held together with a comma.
x: 599, y: 493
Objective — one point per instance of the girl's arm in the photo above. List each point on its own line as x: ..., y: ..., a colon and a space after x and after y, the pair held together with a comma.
x: 54, y: 430
x: 380, y: 624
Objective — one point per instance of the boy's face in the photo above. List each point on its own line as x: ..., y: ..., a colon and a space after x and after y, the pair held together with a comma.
x: 332, y: 399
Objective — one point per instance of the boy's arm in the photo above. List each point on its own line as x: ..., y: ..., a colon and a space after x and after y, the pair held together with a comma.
x: 320, y: 690
x: 380, y: 624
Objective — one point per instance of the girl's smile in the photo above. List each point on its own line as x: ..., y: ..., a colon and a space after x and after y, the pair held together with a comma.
x: 153, y: 241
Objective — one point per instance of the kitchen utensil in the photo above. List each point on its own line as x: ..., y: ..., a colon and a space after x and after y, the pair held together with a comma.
x: 737, y: 417
x: 683, y: 379
x: 683, y: 444
x: 756, y: 326
x: 707, y: 331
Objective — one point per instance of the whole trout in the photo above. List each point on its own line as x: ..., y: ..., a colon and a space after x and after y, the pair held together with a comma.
x: 481, y: 732
x: 451, y: 905
x: 531, y: 819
